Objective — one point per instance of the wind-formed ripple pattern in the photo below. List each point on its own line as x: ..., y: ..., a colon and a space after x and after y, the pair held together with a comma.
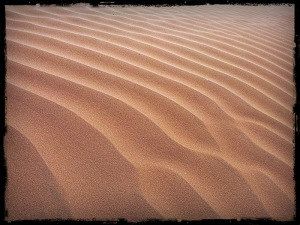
x: 182, y: 112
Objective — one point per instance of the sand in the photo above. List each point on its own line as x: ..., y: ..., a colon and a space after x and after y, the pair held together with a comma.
x: 181, y: 112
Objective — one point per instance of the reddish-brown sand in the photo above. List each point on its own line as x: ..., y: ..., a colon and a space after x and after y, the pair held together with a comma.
x: 150, y: 112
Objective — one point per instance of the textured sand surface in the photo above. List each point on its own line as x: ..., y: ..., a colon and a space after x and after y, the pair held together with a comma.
x: 150, y: 112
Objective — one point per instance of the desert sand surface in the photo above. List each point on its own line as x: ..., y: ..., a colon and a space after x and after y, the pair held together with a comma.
x: 182, y: 112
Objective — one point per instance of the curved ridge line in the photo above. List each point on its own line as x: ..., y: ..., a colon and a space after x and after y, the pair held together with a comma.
x: 184, y: 85
x: 275, y: 44
x: 139, y: 84
x: 266, y: 127
x: 163, y: 40
x: 127, y: 104
x: 262, y: 148
x: 159, y: 75
x: 281, y: 34
x: 192, y: 24
x: 254, y: 122
x: 180, y: 176
x: 262, y: 33
x: 138, y: 66
x: 272, y: 180
x: 91, y: 127
x: 242, y: 30
x: 175, y: 30
x: 176, y: 55
x: 189, y: 40
x: 265, y: 174
x: 69, y: 110
x: 192, y: 29
x: 255, y: 144
x: 155, y: 25
x: 177, y: 67
x: 165, y: 20
x: 278, y: 34
x: 143, y: 28
x: 157, y: 16
x: 198, y: 36
x: 132, y: 81
x: 256, y: 168
x: 132, y: 162
x: 253, y: 13
x: 67, y: 202
x: 161, y: 33
x: 251, y: 139
x: 227, y: 164
x: 134, y: 50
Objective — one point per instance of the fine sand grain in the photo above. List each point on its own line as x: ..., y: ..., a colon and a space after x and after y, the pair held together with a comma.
x: 181, y: 112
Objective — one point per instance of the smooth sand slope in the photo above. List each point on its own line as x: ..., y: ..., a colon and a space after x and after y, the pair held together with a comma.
x: 150, y: 112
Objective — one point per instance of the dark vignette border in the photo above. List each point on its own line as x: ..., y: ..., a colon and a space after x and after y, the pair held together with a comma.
x: 95, y: 3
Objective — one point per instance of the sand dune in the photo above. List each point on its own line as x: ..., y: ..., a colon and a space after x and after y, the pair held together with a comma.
x: 150, y: 112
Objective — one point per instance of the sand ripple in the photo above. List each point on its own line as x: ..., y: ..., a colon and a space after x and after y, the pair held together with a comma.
x: 150, y: 112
